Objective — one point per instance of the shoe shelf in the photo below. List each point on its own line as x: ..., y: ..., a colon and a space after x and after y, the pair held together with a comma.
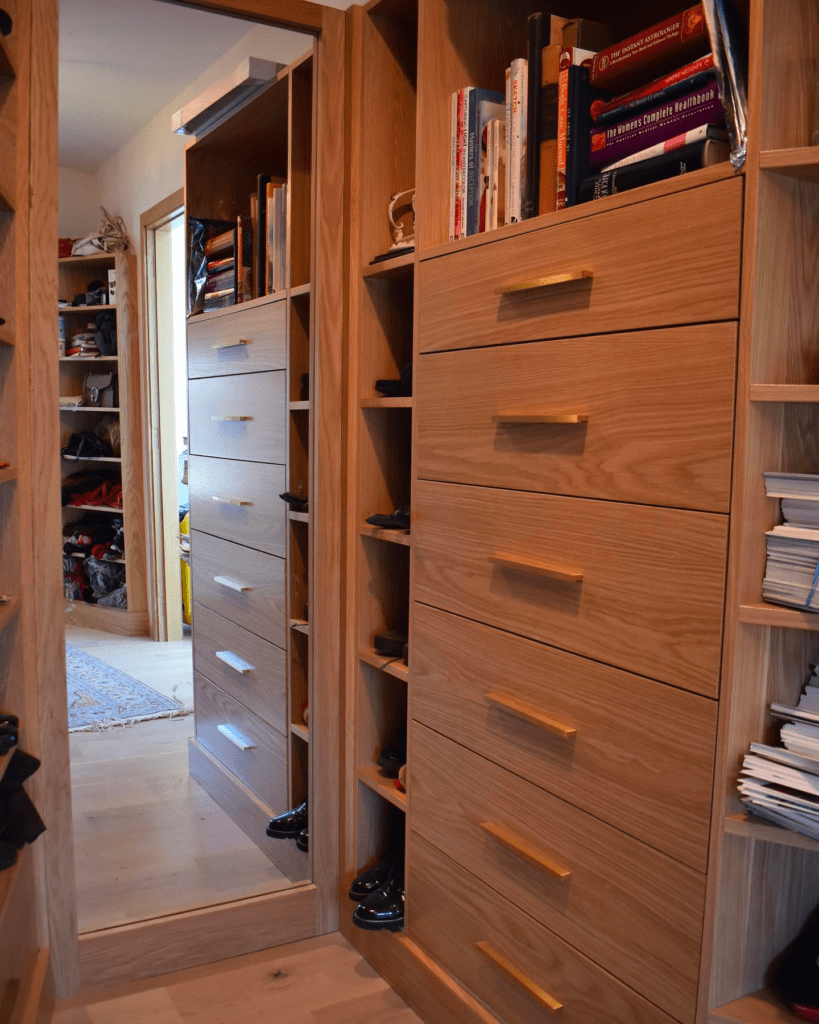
x: 299, y: 291
x: 799, y: 393
x: 113, y: 561
x: 391, y: 666
x: 400, y: 268
x: 102, y: 259
x: 300, y: 406
x: 96, y: 458
x: 386, y: 403
x: 84, y: 309
x: 746, y: 826
x: 300, y: 729
x: 299, y: 517
x: 97, y: 508
x: 758, y: 1008
x: 300, y: 626
x: 374, y: 780
x: 8, y: 611
x: 89, y: 359
x: 90, y: 408
x: 402, y: 537
x: 7, y: 474
x: 763, y: 614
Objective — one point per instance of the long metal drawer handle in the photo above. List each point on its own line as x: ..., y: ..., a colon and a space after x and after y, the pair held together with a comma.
x: 541, y: 417
x: 223, y: 499
x: 236, y: 663
x: 516, y: 974
x: 231, y: 419
x: 520, y: 709
x: 226, y: 581
x: 554, y: 572
x: 563, y: 277
x: 513, y: 842
x: 231, y: 344
x: 235, y: 737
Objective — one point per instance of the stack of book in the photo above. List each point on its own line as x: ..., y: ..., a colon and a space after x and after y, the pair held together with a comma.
x: 792, y: 570
x: 781, y: 784
x: 228, y: 266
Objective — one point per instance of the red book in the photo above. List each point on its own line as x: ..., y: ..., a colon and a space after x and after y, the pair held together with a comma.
x: 651, y: 52
x: 599, y: 107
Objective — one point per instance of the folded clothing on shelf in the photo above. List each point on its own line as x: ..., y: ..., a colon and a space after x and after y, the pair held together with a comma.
x: 391, y: 642
x: 401, y: 388
x: 297, y: 502
x: 399, y: 520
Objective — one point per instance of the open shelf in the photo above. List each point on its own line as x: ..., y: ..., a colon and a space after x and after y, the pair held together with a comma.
x: 390, y: 536
x: 801, y: 162
x: 93, y: 458
x: 386, y: 403
x: 263, y: 300
x: 8, y: 611
x: 300, y: 406
x: 98, y: 259
x: 299, y: 290
x: 300, y: 626
x: 7, y: 474
x: 84, y: 309
x: 110, y: 561
x: 372, y: 778
x: 784, y: 392
x: 300, y: 730
x: 89, y: 408
x: 749, y: 827
x: 89, y: 359
x: 97, y: 508
x: 758, y: 1008
x: 773, y: 615
x: 391, y: 666
x: 299, y: 517
x: 400, y: 267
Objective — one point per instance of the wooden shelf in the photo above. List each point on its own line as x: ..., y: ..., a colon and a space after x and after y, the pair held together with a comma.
x: 759, y: 1008
x: 797, y: 163
x: 300, y: 729
x: 300, y: 626
x: 299, y: 291
x: 784, y: 392
x: 7, y: 474
x: 300, y: 406
x: 774, y: 615
x: 198, y: 318
x: 89, y: 408
x: 97, y: 508
x: 79, y: 261
x: 401, y: 268
x: 110, y: 561
x: 390, y: 536
x: 94, y: 458
x: 749, y: 827
x: 8, y: 611
x: 386, y: 403
x: 392, y: 666
x: 372, y: 778
x: 299, y: 517
x: 84, y: 309
x: 88, y: 359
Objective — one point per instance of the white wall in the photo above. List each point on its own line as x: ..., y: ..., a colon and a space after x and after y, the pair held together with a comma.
x: 78, y: 203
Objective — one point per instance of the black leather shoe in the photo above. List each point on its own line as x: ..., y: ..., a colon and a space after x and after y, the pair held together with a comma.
x: 384, y: 909
x: 370, y: 881
x: 303, y: 840
x: 289, y: 824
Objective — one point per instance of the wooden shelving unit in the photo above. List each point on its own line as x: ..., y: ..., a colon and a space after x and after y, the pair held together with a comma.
x: 758, y: 830
x: 402, y: 537
x: 8, y: 474
x: 392, y: 666
x: 800, y: 393
x: 764, y: 614
x: 385, y: 788
x: 386, y: 403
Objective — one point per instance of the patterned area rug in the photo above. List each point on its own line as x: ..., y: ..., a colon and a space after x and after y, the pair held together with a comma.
x: 100, y: 696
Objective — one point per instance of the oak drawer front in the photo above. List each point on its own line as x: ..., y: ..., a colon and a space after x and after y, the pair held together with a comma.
x: 650, y: 267
x: 649, y: 597
x: 642, y: 754
x: 468, y: 928
x: 632, y: 910
x: 239, y: 417
x: 244, y: 586
x: 241, y: 341
x: 646, y: 417
x: 244, y: 744
x: 249, y: 669
x: 239, y: 501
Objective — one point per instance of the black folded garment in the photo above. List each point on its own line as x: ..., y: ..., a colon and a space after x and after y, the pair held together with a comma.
x: 392, y: 758
x: 391, y: 642
x: 295, y: 501
x: 401, y: 388
x: 399, y: 520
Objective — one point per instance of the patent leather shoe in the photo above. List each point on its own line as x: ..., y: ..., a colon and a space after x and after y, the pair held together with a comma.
x: 289, y: 824
x: 370, y: 881
x: 303, y: 840
x: 384, y: 909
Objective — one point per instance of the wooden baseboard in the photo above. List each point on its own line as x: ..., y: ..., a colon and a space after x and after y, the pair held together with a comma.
x: 249, y: 812
x: 35, y: 1003
x: 114, y: 620
x: 175, y: 943
x: 430, y: 991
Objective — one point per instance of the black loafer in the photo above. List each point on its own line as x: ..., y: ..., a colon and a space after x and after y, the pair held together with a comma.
x: 384, y: 909
x: 303, y: 840
x: 289, y: 824
x: 370, y: 881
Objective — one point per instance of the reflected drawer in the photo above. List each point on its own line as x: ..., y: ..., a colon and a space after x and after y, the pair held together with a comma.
x: 635, y: 586
x: 644, y: 417
x: 249, y: 669
x: 238, y: 340
x: 244, y: 744
x: 631, y: 909
x: 245, y: 586
x: 520, y: 969
x: 240, y: 417
x: 641, y: 757
x: 649, y: 263
x: 240, y: 502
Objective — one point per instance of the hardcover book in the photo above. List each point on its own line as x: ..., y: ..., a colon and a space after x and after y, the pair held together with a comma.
x: 537, y: 40
x: 568, y: 139
x: 516, y: 122
x: 484, y: 105
x: 664, y: 88
x: 550, y: 72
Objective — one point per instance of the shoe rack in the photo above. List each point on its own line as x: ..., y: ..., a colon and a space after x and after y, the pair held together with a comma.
x: 75, y: 272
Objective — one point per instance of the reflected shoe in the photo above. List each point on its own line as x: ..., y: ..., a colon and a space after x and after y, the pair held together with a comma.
x: 289, y: 824
x: 303, y: 840
x: 370, y: 881
x: 384, y: 909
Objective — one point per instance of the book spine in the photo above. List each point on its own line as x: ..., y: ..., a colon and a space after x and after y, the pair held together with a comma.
x: 507, y: 202
x: 656, y: 125
x: 562, y: 128
x: 486, y: 178
x: 216, y: 265
x: 670, y: 92
x: 281, y: 277
x: 459, y: 165
x: 261, y: 235
x: 622, y: 179
x: 531, y: 195
x: 219, y: 243
x: 550, y: 70
x: 675, y: 39
x: 472, y: 164
x: 453, y: 143
x: 488, y: 105
x: 705, y: 131
x: 270, y: 242
x: 516, y: 165
x: 218, y: 281
x: 605, y: 111
x: 500, y: 173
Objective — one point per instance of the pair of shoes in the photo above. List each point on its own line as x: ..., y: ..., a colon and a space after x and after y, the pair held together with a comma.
x: 392, y: 758
x: 399, y: 520
x: 391, y: 642
x: 381, y: 894
x: 296, y: 502
x: 85, y: 445
x: 291, y: 824
x: 401, y: 388
x: 19, y: 821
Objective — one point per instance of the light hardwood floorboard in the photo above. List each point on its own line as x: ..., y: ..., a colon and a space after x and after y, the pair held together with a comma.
x: 320, y: 981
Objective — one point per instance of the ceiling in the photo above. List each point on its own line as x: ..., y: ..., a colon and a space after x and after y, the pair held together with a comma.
x: 122, y: 61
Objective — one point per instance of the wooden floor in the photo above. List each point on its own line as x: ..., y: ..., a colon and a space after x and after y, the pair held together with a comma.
x: 321, y: 981
x: 148, y: 840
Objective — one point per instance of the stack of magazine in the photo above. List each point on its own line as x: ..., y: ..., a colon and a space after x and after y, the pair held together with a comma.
x: 781, y: 784
x: 792, y: 570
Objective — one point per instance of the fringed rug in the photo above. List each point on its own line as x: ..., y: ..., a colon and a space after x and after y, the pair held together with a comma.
x: 100, y: 696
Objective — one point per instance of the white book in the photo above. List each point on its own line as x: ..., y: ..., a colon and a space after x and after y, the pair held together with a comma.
x: 694, y: 135
x: 787, y: 757
x: 770, y: 771
x: 507, y: 199
x: 791, y: 485
x: 516, y: 163
x: 487, y: 203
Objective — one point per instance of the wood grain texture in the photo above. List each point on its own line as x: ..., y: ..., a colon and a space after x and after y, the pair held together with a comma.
x: 659, y: 405
x: 259, y: 396
x: 787, y: 116
x: 460, y: 307
x: 298, y: 15
x: 642, y: 758
x: 261, y: 523
x: 261, y: 328
x: 113, y: 620
x: 653, y: 579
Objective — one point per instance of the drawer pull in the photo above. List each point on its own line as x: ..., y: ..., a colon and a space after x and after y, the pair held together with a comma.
x: 235, y: 737
x: 235, y: 662
x: 226, y: 581
x: 541, y: 417
x: 223, y: 499
x: 231, y: 419
x: 231, y: 344
x: 520, y: 709
x: 514, y: 842
x: 516, y: 974
x: 545, y: 282
x: 554, y: 572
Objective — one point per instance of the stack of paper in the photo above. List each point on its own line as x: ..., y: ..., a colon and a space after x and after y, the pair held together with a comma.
x: 782, y: 784
x: 792, y: 571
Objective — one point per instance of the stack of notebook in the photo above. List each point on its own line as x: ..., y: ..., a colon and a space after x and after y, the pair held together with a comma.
x: 792, y: 571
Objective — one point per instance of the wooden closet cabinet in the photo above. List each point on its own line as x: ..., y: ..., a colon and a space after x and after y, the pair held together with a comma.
x: 589, y: 652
